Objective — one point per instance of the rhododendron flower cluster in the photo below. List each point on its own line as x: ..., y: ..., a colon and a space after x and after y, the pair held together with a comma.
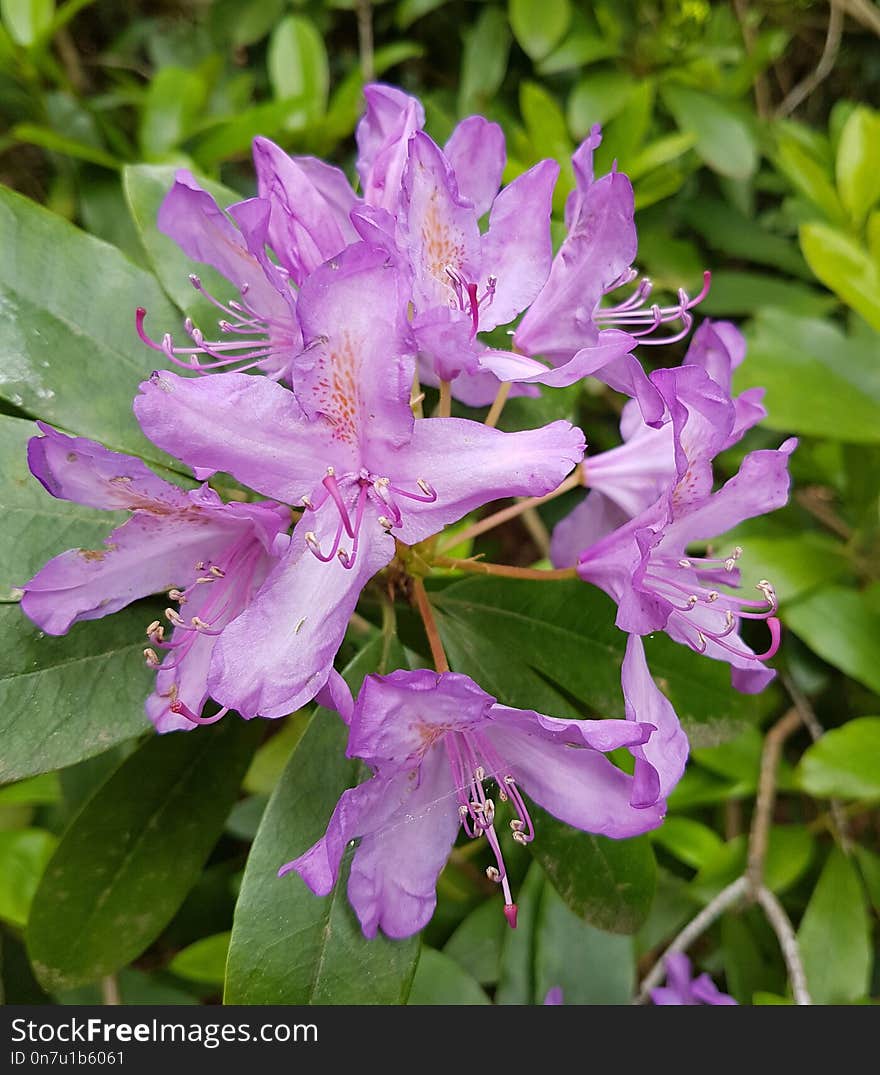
x: 307, y: 391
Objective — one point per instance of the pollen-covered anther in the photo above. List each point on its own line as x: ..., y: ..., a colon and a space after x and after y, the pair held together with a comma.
x: 731, y: 560
x: 153, y: 628
x: 312, y: 541
x: 199, y: 624
x: 217, y: 572
x: 517, y: 825
x: 173, y: 616
x: 177, y: 595
x: 151, y: 657
x: 493, y: 874
x: 386, y: 524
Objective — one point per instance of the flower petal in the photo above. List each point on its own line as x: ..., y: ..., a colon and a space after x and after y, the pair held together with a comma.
x: 477, y: 154
x: 610, y: 347
x: 667, y: 749
x: 382, y: 136
x: 517, y: 250
x: 393, y: 880
x: 248, y: 426
x: 279, y: 652
x: 469, y: 464
x: 356, y: 371
x: 399, y: 715
x: 304, y: 228
x: 85, y: 472
x: 594, y: 518
x: 579, y: 786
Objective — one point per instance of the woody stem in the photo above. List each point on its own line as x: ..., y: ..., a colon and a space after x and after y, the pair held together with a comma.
x: 444, y: 407
x: 438, y: 654
x: 480, y: 567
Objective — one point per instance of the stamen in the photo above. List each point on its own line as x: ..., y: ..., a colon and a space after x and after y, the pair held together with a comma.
x: 183, y: 710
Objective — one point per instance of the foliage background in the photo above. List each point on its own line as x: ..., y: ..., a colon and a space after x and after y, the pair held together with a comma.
x: 747, y: 130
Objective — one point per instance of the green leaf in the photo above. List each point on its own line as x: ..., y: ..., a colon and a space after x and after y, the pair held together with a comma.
x: 408, y: 11
x: 835, y: 935
x: 609, y: 883
x: 740, y: 294
x: 484, y: 61
x: 27, y: 20
x: 440, y: 980
x: 858, y: 163
x: 808, y: 175
x: 289, y: 946
x: 172, y: 104
x: 298, y: 67
x: 843, y: 628
x: 730, y: 231
x: 869, y: 865
x: 597, y: 98
x: 37, y: 526
x: 724, y: 140
x: 516, y: 967
x: 691, y: 842
x: 232, y: 137
x: 577, y: 49
x: 800, y: 360
x: 35, y: 135
x: 23, y: 857
x: 65, y: 699
x: 795, y: 563
x: 145, y: 188
x: 845, y: 762
x: 845, y: 267
x: 134, y: 851
x: 476, y: 944
x: 35, y: 791
x: 592, y: 967
x: 539, y: 27
x: 789, y: 853
x: 68, y: 303
x: 203, y: 961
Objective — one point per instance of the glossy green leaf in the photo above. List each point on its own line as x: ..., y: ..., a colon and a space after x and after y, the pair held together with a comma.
x: 128, y: 859
x: 724, y: 140
x: 36, y: 526
x: 577, y: 49
x: 476, y: 944
x: 568, y: 648
x: 843, y: 628
x: 23, y: 857
x: 484, y: 61
x: 800, y: 360
x: 298, y: 67
x: 35, y: 791
x: 845, y: 762
x: 27, y: 20
x: 539, y: 27
x: 591, y: 967
x: 68, y: 303
x: 203, y: 961
x: 796, y: 563
x: 691, y: 842
x: 35, y: 135
x: 789, y: 853
x: 858, y: 163
x: 172, y: 104
x: 289, y: 946
x: 609, y: 883
x: 845, y: 267
x: 439, y: 979
x: 597, y: 98
x: 808, y: 175
x: 232, y: 137
x: 835, y: 935
x: 65, y: 699
x: 728, y: 230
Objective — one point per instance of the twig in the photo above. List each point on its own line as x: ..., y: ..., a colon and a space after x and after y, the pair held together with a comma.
x: 814, y: 500
x: 365, y: 39
x: 811, y: 721
x: 782, y: 927
x: 763, y: 815
x: 444, y: 407
x: 537, y: 530
x: 824, y: 67
x: 438, y: 654
x: 865, y: 12
x: 110, y: 990
x: 762, y: 94
x: 480, y: 567
x: 498, y: 404
x: 697, y: 926
x: 506, y: 514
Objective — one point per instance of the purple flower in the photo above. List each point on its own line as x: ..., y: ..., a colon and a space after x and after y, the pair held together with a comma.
x: 645, y: 565
x: 383, y: 135
x: 563, y: 323
x: 554, y: 996
x: 680, y: 988
x: 210, y: 556
x: 703, y: 420
x: 345, y: 445
x: 464, y: 282
x: 435, y: 742
x: 259, y: 330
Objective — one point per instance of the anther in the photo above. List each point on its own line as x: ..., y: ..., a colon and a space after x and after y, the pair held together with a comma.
x: 684, y: 563
x: 151, y: 657
x: 385, y: 523
x: 177, y: 595
x: 200, y: 624
x: 174, y: 617
x: 153, y: 628
x: 493, y: 874
x: 217, y: 572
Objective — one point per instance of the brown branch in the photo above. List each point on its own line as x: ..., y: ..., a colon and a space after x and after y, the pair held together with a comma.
x: 824, y: 67
x: 480, y: 567
x: 438, y: 653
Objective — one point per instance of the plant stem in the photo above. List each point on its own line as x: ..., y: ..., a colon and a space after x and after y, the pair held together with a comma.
x: 785, y: 934
x: 444, y: 407
x: 498, y: 404
x: 503, y: 516
x: 365, y: 39
x: 480, y: 567
x: 438, y: 654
